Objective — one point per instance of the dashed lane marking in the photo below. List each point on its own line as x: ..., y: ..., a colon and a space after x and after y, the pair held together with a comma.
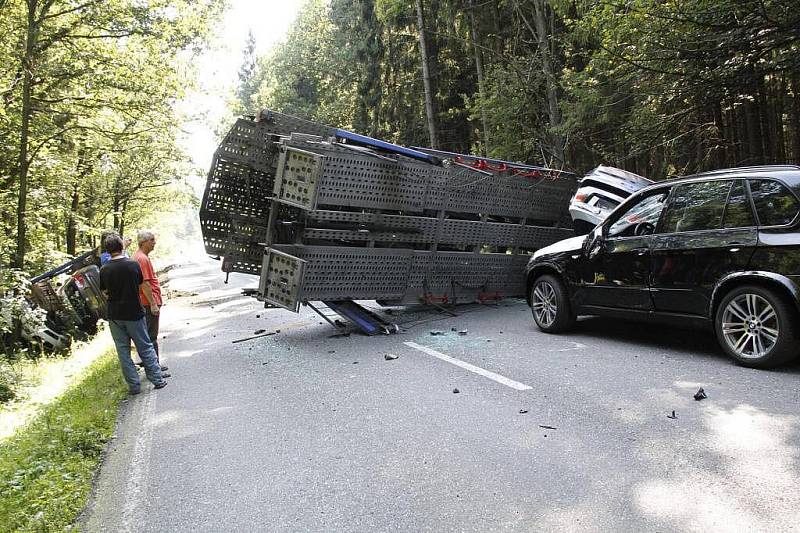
x: 472, y: 368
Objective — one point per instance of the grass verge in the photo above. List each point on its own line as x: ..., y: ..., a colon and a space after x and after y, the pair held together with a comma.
x: 46, y: 468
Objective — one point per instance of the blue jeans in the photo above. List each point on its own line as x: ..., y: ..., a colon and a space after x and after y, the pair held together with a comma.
x: 123, y: 331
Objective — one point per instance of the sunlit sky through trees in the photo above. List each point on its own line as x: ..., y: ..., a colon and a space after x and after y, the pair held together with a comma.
x: 269, y: 21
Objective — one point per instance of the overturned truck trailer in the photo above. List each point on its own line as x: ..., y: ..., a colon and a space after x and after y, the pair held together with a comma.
x: 322, y: 214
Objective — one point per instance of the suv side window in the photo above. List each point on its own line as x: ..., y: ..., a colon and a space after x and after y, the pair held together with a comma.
x: 738, y: 213
x: 696, y: 206
x: 775, y: 205
x: 642, y: 214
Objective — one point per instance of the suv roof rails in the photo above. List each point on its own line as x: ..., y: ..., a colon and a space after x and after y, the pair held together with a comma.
x: 744, y: 169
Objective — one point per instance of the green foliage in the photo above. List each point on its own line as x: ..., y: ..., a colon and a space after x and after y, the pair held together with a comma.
x: 46, y: 468
x: 16, y: 312
x: 88, y: 90
x: 8, y: 382
x: 655, y: 87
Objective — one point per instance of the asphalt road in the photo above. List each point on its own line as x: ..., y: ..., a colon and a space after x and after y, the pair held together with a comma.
x: 303, y: 432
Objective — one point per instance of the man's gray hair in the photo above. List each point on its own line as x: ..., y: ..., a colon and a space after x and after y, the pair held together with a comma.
x: 144, y: 236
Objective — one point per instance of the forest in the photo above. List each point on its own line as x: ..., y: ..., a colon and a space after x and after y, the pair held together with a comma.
x: 89, y: 127
x: 656, y: 87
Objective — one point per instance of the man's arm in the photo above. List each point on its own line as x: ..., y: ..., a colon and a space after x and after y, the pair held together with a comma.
x: 148, y: 294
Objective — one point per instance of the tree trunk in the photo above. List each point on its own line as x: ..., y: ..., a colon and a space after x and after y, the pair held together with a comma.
x: 543, y: 35
x: 122, y: 218
x: 426, y: 78
x: 115, y: 207
x: 72, y: 220
x: 719, y: 137
x: 779, y: 90
x: 764, y: 111
x: 479, y: 72
x: 795, y: 119
x: 23, y: 164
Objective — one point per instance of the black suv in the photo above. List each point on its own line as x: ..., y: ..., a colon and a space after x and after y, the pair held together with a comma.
x: 720, y: 248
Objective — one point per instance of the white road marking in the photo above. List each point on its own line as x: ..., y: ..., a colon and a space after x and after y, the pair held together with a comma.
x: 472, y: 368
x: 140, y: 463
x: 575, y: 346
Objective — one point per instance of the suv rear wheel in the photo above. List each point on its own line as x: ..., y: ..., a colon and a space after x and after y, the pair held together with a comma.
x: 756, y: 327
x: 550, y: 305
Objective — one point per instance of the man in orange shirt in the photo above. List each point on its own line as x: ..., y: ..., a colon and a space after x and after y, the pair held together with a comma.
x: 150, y: 291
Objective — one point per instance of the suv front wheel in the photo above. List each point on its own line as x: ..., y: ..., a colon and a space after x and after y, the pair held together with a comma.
x: 756, y: 327
x: 550, y: 305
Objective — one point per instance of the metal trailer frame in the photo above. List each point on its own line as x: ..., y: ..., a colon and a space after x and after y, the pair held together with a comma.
x: 321, y: 219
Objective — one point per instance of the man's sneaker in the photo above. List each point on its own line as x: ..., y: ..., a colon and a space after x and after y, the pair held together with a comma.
x: 160, y: 385
x: 164, y: 368
x: 134, y: 392
x: 166, y: 375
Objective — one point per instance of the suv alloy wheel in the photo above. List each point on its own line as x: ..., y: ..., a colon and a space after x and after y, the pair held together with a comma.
x: 756, y: 327
x: 550, y: 305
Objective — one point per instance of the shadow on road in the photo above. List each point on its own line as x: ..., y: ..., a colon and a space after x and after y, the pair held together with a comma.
x: 697, y: 341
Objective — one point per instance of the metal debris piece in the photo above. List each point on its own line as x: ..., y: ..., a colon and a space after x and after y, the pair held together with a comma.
x: 259, y: 331
x: 547, y: 427
x: 436, y: 332
x: 673, y: 416
x: 700, y: 395
x: 456, y: 391
x: 390, y: 356
x: 523, y: 411
x: 463, y: 332
x: 254, y: 337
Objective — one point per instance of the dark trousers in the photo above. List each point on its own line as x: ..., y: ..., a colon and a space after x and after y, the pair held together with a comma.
x: 152, y: 329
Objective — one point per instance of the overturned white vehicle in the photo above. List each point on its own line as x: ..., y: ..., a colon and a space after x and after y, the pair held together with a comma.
x: 599, y: 193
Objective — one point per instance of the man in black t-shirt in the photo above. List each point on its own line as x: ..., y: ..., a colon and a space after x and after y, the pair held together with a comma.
x: 121, y: 278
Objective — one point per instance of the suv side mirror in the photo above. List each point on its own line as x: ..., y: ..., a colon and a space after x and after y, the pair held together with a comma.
x: 594, y: 242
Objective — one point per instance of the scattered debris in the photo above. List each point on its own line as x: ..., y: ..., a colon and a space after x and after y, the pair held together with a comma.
x: 331, y: 351
x: 547, y: 427
x: 463, y: 332
x: 453, y: 329
x: 523, y: 411
x: 259, y: 331
x: 255, y: 336
x: 258, y: 316
x: 277, y: 331
x: 673, y: 416
x: 456, y: 391
x: 390, y: 356
x: 265, y: 363
x: 700, y: 395
x: 436, y: 332
x: 355, y: 362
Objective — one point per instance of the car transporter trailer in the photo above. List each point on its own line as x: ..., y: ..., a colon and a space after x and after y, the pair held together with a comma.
x: 322, y: 214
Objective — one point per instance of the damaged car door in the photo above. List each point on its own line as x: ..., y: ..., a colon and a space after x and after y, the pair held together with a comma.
x: 618, y: 262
